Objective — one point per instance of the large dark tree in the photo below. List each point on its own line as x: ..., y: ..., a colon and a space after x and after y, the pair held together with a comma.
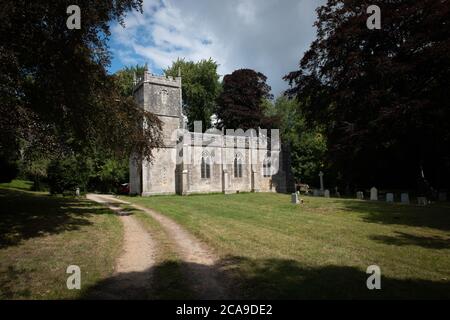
x: 55, y: 93
x: 241, y: 103
x: 382, y: 95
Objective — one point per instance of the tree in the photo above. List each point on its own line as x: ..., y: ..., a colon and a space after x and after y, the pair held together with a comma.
x: 125, y: 78
x: 381, y: 95
x: 307, y: 144
x: 200, y: 86
x: 56, y: 95
x: 241, y: 103
x: 68, y: 173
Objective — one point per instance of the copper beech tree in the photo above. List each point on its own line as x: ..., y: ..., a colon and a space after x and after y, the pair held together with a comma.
x: 381, y: 95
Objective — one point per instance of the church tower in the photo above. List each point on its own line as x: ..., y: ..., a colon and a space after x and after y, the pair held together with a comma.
x: 162, y: 96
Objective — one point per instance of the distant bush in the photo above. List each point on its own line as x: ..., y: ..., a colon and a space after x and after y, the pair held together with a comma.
x: 36, y: 171
x: 67, y: 174
x: 108, y: 174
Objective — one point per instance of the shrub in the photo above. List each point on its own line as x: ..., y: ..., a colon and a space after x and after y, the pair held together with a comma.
x: 67, y: 174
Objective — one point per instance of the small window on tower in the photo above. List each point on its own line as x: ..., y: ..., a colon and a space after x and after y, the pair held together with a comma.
x: 164, y: 95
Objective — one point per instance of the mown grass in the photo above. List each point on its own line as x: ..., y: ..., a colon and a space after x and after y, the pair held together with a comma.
x: 41, y: 235
x: 320, y: 249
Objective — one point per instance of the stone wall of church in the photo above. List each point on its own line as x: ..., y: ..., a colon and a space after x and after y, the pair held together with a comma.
x: 192, y: 163
x: 159, y: 177
x: 177, y: 167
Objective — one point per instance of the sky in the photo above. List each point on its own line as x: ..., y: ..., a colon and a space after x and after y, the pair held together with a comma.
x: 269, y: 36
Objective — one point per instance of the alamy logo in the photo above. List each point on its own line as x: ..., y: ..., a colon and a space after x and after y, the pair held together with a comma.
x: 74, y: 20
x: 74, y: 280
x: 374, y: 21
x: 374, y: 280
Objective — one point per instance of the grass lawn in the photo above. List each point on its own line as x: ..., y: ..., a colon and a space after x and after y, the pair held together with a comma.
x: 321, y: 249
x: 40, y: 235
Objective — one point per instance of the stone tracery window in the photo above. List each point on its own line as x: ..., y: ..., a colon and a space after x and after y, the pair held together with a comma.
x: 238, y: 165
x: 206, y: 166
x: 267, y: 167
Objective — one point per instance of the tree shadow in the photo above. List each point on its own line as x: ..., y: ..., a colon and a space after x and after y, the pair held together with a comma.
x: 25, y: 215
x: 436, y: 216
x: 406, y: 239
x: 247, y: 278
x: 9, y: 276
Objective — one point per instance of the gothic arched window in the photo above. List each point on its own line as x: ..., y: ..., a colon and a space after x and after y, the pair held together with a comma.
x: 238, y: 166
x: 266, y: 167
x: 206, y: 166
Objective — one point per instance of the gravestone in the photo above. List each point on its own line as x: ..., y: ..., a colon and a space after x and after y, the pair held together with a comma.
x: 294, y: 198
x: 360, y: 195
x: 442, y: 196
x: 422, y: 201
x: 389, y: 197
x: 316, y: 193
x: 336, y: 191
x: 321, y: 180
x: 373, y: 194
x: 326, y: 193
x: 404, y: 197
x: 77, y: 192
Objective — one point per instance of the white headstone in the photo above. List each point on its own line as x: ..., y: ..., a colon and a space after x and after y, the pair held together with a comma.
x: 404, y: 197
x: 373, y: 194
x: 360, y: 195
x: 294, y: 198
x: 77, y: 192
x: 326, y: 193
x: 422, y: 201
x: 442, y: 196
x: 389, y: 197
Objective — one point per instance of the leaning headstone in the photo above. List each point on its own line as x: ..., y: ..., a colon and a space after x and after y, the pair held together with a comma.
x: 77, y: 192
x: 360, y: 195
x: 389, y: 197
x: 316, y: 193
x: 326, y: 193
x: 404, y: 198
x: 422, y: 201
x: 442, y: 196
x: 294, y: 198
x: 373, y: 194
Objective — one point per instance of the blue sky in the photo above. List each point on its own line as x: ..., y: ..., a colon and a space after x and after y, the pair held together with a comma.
x: 269, y: 36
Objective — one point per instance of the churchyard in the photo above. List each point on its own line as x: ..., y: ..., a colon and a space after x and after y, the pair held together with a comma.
x: 266, y: 246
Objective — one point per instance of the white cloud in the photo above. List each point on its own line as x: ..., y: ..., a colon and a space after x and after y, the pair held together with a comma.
x: 269, y: 36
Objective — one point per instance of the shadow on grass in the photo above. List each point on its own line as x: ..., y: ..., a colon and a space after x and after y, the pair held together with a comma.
x: 9, y: 276
x: 266, y: 279
x: 406, y: 239
x: 436, y: 216
x: 24, y: 215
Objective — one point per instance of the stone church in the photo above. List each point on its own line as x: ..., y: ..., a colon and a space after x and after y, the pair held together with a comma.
x: 200, y: 162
